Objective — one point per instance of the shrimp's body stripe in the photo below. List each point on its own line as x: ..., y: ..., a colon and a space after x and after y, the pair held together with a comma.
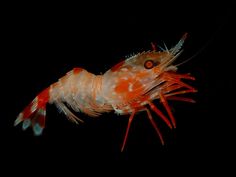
x: 127, y: 88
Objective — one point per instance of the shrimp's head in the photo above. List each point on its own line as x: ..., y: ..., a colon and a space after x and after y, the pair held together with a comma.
x: 138, y: 75
x: 151, y: 61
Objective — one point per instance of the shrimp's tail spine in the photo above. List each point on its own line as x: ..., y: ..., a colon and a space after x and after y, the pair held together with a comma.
x: 34, y: 114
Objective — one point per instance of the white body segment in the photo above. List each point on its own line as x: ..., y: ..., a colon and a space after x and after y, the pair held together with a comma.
x: 81, y: 91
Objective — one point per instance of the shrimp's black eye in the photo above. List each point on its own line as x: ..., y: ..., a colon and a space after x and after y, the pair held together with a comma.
x: 149, y: 64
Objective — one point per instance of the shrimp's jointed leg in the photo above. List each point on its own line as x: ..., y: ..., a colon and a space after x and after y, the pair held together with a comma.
x: 176, y: 98
x: 127, y: 129
x: 160, y: 114
x: 155, y: 126
x: 167, y: 107
x: 152, y: 122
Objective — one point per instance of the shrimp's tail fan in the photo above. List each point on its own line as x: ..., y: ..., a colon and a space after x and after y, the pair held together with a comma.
x: 34, y: 114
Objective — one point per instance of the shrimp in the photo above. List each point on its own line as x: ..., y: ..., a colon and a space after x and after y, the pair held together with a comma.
x: 127, y: 88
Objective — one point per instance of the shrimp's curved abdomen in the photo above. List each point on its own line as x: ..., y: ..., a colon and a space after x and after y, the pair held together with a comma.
x: 81, y: 91
x: 78, y: 90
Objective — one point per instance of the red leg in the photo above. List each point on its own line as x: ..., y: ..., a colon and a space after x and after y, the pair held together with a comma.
x: 177, y: 81
x: 159, y: 113
x: 185, y: 85
x: 175, y: 78
x: 167, y: 107
x: 180, y: 92
x: 176, y: 98
x: 180, y: 76
x: 127, y: 129
x: 171, y: 88
x: 155, y: 126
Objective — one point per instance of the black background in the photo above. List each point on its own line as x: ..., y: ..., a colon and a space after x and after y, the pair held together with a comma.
x: 41, y: 42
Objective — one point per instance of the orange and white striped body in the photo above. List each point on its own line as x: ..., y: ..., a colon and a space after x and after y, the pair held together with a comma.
x: 127, y: 88
x: 81, y: 91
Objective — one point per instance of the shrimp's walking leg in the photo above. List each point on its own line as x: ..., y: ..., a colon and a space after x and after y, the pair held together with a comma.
x: 176, y: 98
x: 181, y: 76
x: 176, y: 78
x: 159, y: 113
x: 180, y: 92
x: 154, y: 125
x: 167, y: 107
x: 127, y: 129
